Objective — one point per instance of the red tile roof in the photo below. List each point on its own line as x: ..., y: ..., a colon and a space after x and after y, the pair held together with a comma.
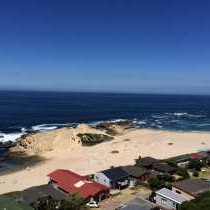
x: 72, y: 182
x: 196, y: 156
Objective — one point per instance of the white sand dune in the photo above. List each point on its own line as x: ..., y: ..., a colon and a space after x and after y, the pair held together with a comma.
x: 86, y: 160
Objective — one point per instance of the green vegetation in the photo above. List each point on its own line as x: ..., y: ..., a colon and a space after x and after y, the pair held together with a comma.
x: 200, y: 203
x: 156, y: 183
x: 183, y: 173
x: 10, y: 204
x: 196, y: 164
x: 89, y: 139
x: 74, y: 202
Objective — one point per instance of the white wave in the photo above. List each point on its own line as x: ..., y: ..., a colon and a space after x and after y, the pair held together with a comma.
x: 10, y: 137
x: 44, y: 127
x: 185, y: 114
x: 141, y: 122
x: 23, y: 129
x: 203, y: 125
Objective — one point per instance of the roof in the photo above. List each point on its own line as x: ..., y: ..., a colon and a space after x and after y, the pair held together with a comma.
x: 69, y: 181
x: 115, y: 173
x: 135, y: 171
x: 147, y: 161
x: 166, y: 193
x: 138, y: 204
x: 193, y: 187
x: 31, y: 195
x: 204, y: 154
x: 9, y: 203
x: 163, y: 167
x: 181, y: 158
x: 197, y: 156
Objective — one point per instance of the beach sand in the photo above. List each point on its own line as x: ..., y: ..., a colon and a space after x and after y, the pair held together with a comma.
x: 87, y: 160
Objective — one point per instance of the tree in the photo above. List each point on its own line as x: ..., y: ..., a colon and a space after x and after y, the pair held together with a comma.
x: 195, y: 164
x: 74, y: 202
x: 46, y: 203
x: 200, y: 203
x: 155, y: 183
x: 183, y: 172
x: 195, y: 173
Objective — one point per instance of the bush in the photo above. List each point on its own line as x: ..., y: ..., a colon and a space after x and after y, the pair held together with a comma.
x: 195, y: 164
x: 89, y: 139
x: 183, y: 173
x: 195, y: 173
x: 200, y: 203
x: 155, y: 183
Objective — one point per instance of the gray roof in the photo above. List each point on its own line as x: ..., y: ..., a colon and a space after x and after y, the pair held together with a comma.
x: 147, y: 161
x: 135, y: 171
x: 163, y: 167
x: 166, y: 193
x: 138, y: 204
x: 180, y: 158
x: 193, y: 187
x: 115, y: 173
x: 32, y: 194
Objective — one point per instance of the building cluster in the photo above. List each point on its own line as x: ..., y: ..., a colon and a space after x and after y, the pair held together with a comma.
x: 102, y: 184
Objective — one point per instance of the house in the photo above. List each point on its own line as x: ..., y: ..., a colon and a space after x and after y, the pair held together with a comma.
x: 181, y: 160
x: 164, y: 168
x: 191, y: 188
x: 146, y: 162
x: 31, y: 195
x: 200, y: 156
x: 70, y: 182
x: 138, y: 204
x: 168, y: 199
x: 114, y: 178
x: 137, y: 174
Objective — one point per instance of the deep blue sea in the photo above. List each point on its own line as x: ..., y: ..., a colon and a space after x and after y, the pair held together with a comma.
x: 21, y: 111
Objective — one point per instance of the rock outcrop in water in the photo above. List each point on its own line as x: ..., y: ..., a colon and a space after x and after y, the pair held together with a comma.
x: 56, y: 140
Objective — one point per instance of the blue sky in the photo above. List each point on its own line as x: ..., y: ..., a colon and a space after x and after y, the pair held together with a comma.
x: 150, y: 46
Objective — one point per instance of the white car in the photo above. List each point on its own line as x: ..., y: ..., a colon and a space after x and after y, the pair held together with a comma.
x: 92, y: 204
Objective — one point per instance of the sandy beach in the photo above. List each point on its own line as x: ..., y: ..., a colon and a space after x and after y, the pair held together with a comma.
x: 87, y: 160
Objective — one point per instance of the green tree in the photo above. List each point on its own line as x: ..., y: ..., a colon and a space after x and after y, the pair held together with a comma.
x: 183, y: 173
x: 200, y: 203
x: 74, y: 202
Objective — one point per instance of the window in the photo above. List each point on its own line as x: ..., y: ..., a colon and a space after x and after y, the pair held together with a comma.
x: 163, y: 201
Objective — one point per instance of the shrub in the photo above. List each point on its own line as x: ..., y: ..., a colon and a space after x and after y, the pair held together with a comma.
x: 183, y: 173
x: 195, y: 173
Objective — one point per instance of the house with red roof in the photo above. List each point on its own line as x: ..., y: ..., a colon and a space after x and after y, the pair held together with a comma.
x: 70, y: 182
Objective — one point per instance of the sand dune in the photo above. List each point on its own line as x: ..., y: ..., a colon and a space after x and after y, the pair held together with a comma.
x: 86, y: 160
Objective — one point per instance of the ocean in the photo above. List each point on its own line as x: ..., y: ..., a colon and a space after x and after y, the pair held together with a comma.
x: 24, y: 111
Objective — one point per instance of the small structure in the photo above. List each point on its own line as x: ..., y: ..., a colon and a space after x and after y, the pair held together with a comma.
x: 68, y: 181
x: 191, y: 188
x: 114, y: 178
x: 137, y: 174
x: 164, y: 168
x: 200, y: 156
x: 146, y: 162
x: 31, y: 195
x: 181, y: 160
x: 168, y: 199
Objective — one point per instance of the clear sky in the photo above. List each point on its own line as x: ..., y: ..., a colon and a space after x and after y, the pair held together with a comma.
x: 155, y: 46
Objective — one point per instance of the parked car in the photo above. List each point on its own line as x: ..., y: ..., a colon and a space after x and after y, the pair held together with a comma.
x: 92, y: 204
x: 120, y: 207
